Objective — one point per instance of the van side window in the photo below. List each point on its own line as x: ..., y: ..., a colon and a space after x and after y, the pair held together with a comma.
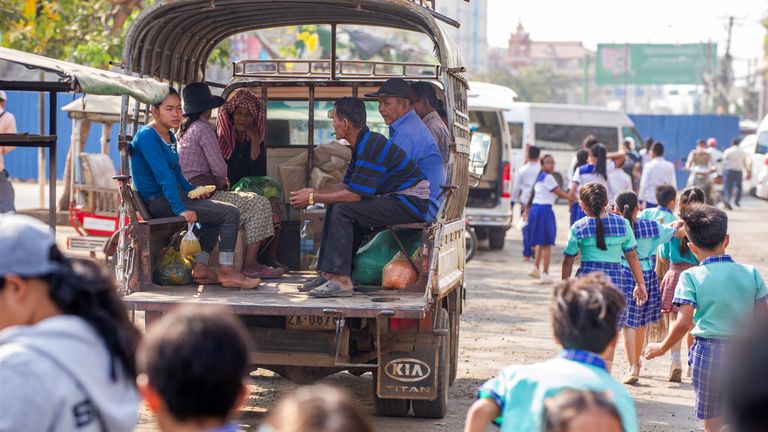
x: 486, y: 121
x: 550, y: 136
x: 762, y: 143
x: 630, y: 132
x: 516, y: 134
x: 288, y: 125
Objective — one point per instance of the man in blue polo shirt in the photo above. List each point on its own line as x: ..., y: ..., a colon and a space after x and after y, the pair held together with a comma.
x: 383, y: 186
x: 410, y: 133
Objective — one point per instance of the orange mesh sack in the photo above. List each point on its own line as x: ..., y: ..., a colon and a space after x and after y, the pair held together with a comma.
x: 398, y: 273
x: 190, y: 245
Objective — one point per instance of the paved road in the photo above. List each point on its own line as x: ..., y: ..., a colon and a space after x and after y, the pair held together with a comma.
x: 506, y: 322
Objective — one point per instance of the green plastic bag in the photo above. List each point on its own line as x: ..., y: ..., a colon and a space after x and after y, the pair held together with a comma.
x: 264, y: 186
x: 377, y: 253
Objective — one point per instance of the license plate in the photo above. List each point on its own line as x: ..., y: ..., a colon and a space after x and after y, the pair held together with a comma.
x: 297, y: 322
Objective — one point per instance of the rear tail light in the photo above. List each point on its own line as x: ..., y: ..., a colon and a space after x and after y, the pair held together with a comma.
x: 765, y: 161
x: 506, y: 177
x: 401, y: 325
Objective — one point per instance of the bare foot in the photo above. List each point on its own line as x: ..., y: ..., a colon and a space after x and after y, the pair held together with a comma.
x: 229, y: 278
x: 203, y: 274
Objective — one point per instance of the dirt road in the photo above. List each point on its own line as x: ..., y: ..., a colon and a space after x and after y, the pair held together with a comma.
x: 507, y: 323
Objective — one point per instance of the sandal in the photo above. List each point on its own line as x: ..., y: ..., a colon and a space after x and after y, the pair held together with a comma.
x: 630, y: 377
x: 330, y: 289
x: 312, y: 284
x: 205, y: 277
x: 265, y: 272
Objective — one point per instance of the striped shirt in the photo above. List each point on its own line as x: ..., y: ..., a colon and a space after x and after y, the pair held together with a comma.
x: 380, y: 167
x: 199, y: 152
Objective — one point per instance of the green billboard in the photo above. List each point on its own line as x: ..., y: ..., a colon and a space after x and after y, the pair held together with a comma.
x: 619, y: 64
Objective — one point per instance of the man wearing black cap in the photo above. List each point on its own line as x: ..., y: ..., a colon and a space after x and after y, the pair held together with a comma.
x: 410, y: 133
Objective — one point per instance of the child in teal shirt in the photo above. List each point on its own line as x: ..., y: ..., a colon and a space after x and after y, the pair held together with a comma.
x: 666, y: 196
x: 650, y: 234
x: 677, y: 257
x: 603, y: 238
x: 717, y: 297
x: 585, y: 312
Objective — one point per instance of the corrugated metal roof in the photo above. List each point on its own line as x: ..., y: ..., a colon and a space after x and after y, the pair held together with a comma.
x: 173, y: 39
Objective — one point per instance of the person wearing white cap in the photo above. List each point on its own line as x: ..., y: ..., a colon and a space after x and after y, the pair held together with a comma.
x: 7, y: 126
x: 67, y: 346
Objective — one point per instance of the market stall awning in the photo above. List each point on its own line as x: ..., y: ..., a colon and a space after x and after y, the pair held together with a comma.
x: 74, y: 77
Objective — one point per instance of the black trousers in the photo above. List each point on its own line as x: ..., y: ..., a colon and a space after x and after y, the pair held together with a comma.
x: 346, y: 224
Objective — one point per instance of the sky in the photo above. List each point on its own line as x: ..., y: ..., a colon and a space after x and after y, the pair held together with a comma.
x: 625, y: 21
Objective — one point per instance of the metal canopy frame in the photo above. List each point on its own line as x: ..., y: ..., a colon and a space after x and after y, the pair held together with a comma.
x: 173, y: 39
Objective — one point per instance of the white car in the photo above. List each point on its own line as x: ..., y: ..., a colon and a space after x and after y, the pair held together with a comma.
x: 756, y: 147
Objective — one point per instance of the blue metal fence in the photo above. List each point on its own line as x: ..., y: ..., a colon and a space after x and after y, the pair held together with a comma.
x: 679, y: 133
x: 22, y: 162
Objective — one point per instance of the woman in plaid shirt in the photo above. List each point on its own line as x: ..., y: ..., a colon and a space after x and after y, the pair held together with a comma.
x: 202, y: 163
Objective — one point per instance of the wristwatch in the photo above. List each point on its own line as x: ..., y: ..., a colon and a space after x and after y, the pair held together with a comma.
x: 311, y: 198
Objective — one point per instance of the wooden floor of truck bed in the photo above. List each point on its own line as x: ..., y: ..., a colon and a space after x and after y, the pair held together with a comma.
x: 280, y: 297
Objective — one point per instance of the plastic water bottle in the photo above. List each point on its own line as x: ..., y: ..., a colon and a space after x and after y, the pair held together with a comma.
x: 307, y: 245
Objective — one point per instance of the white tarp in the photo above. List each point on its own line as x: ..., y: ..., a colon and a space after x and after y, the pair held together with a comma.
x: 91, y: 80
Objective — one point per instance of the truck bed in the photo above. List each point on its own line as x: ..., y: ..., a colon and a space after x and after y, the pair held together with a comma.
x: 280, y: 297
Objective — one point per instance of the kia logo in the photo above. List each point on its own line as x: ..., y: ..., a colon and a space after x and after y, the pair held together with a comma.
x: 407, y: 370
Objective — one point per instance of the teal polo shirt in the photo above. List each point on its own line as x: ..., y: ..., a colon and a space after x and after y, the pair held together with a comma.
x: 724, y: 294
x: 619, y: 239
x: 661, y: 215
x: 671, y: 251
x: 520, y: 391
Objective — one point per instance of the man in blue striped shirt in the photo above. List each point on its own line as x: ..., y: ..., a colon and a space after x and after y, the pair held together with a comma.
x: 383, y: 186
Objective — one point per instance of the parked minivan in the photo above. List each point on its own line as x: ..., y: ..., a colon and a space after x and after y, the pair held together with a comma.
x: 559, y: 130
x: 488, y: 204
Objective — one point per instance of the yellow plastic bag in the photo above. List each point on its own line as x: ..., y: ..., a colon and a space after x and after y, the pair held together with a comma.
x: 398, y: 273
x: 190, y: 245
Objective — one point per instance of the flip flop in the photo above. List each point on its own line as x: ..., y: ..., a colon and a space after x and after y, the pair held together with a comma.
x: 330, y: 289
x: 312, y: 284
x: 206, y: 280
x: 266, y: 272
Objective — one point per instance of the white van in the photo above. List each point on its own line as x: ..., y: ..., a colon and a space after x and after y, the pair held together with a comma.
x: 488, y: 207
x: 559, y: 130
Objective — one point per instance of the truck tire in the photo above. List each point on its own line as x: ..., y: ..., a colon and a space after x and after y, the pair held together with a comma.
x: 496, y: 238
x: 388, y: 407
x: 437, y: 408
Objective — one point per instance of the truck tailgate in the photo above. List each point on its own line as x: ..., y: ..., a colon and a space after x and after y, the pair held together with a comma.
x: 280, y: 297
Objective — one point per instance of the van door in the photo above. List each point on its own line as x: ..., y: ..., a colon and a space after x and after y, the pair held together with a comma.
x: 493, y: 186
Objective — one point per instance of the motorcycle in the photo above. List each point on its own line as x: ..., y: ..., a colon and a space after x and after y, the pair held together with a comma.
x: 703, y: 178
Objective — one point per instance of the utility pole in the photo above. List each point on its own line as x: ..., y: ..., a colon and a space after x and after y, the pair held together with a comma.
x: 725, y: 77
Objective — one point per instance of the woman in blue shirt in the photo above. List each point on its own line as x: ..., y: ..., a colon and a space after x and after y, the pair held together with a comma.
x: 603, y: 238
x: 650, y: 235
x: 160, y: 184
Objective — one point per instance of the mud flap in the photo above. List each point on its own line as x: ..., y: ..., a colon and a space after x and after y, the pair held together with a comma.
x: 410, y: 375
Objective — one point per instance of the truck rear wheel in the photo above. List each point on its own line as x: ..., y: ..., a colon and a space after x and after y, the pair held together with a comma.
x: 388, y: 407
x: 496, y: 238
x: 437, y: 408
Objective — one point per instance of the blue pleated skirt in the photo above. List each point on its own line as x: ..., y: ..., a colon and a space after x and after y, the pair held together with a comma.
x: 542, y: 226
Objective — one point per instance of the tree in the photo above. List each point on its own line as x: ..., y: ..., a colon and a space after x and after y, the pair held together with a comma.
x: 88, y: 32
x: 536, y: 83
